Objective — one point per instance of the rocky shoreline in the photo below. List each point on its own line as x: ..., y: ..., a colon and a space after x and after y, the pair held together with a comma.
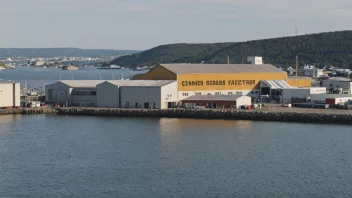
x: 215, y: 114
x: 29, y: 111
x: 195, y: 114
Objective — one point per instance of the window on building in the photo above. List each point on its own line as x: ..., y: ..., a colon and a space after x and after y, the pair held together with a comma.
x: 331, y: 85
x: 230, y: 93
x: 252, y: 92
x: 197, y: 93
x: 256, y: 92
x: 184, y: 94
x: 239, y: 93
x: 217, y: 93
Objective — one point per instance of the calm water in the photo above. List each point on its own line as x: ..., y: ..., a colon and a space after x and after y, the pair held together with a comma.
x: 37, y: 76
x: 66, y: 156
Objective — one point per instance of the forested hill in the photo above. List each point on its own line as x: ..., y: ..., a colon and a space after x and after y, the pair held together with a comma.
x: 332, y: 48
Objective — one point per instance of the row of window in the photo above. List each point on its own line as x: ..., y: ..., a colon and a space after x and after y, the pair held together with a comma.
x: 219, y: 93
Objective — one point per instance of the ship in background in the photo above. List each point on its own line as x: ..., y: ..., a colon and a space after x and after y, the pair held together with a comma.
x: 111, y: 67
x: 70, y: 67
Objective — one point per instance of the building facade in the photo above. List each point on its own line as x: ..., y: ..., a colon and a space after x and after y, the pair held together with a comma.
x: 215, y: 79
x: 223, y: 101
x: 10, y: 94
x: 338, y: 85
x: 81, y: 93
x: 156, y: 94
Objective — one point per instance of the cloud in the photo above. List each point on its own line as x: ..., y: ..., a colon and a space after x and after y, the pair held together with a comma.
x: 138, y: 7
x: 227, y: 16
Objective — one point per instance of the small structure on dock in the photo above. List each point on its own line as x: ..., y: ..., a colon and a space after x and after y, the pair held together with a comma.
x: 217, y: 101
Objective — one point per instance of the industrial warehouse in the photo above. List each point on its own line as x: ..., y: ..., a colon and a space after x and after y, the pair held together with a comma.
x: 173, y: 85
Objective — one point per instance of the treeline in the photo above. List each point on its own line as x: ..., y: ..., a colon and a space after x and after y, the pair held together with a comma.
x: 323, y: 49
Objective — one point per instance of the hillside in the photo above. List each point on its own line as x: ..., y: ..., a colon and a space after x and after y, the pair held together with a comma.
x: 55, y: 52
x: 332, y: 48
x: 2, y: 65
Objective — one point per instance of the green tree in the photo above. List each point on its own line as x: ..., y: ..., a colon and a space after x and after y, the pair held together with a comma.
x: 2, y: 65
x: 324, y: 49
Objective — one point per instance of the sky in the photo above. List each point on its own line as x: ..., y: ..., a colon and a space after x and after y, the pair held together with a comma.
x: 144, y: 24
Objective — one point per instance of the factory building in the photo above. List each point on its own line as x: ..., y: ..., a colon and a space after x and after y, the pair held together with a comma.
x: 9, y: 94
x: 156, y: 94
x: 292, y: 95
x: 159, y: 94
x: 299, y: 81
x: 215, y: 79
x: 72, y: 93
x: 338, y: 85
x: 217, y: 101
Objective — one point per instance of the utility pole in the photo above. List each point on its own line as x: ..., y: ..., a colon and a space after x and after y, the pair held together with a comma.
x: 297, y: 65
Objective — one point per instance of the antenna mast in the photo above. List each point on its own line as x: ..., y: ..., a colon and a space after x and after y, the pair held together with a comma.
x: 296, y: 30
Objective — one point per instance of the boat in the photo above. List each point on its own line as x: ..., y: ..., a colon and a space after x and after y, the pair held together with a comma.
x: 141, y: 68
x: 69, y: 68
x: 110, y: 67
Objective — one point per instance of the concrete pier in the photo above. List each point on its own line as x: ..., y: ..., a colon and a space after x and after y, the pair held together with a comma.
x: 278, y: 115
x: 345, y: 118
x: 29, y: 111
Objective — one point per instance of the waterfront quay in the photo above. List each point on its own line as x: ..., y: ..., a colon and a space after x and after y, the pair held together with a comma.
x: 277, y: 114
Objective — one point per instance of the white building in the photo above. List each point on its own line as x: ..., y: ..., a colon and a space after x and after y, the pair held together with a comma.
x: 255, y: 60
x: 217, y: 101
x: 159, y: 94
x: 9, y: 94
x: 338, y: 85
x: 301, y: 93
x: 331, y: 99
x: 72, y: 93
x: 312, y: 71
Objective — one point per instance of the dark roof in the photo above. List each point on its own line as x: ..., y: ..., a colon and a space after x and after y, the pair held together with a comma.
x: 220, y: 68
x: 214, y: 97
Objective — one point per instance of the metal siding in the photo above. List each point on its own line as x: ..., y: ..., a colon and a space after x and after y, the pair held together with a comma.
x: 300, y: 82
x: 108, y: 95
x: 170, y: 89
x: 220, y: 68
x: 244, y: 100
x: 6, y: 95
x: 256, y: 77
x: 17, y: 98
x: 141, y: 95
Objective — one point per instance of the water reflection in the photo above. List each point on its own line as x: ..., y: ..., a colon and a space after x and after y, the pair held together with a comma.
x: 176, y: 125
x: 7, y: 121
